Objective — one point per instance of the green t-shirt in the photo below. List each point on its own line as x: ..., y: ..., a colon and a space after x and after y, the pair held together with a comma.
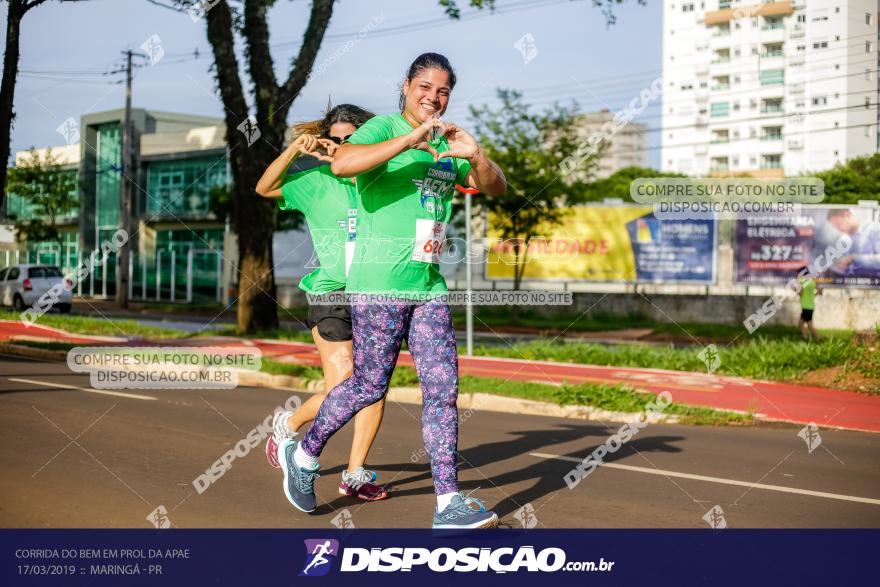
x: 403, y: 209
x: 329, y: 204
x: 808, y: 295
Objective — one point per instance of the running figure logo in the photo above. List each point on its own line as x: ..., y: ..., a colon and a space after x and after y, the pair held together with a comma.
x: 317, y: 561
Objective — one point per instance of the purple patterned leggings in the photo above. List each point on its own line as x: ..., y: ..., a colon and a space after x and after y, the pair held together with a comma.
x: 378, y: 331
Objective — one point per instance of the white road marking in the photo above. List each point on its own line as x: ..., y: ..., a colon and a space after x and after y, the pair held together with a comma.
x: 720, y: 480
x: 88, y: 389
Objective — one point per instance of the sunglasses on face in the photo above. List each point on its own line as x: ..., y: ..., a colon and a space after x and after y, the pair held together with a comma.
x: 338, y: 140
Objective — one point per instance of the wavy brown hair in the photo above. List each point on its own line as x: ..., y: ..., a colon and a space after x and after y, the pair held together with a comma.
x: 354, y: 115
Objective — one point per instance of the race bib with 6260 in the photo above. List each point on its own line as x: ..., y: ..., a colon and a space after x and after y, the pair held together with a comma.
x: 430, y: 236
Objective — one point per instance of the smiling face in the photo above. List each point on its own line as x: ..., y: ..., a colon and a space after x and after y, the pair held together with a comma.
x: 427, y: 95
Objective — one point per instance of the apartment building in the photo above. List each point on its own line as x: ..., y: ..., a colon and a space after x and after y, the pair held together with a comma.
x: 625, y: 149
x: 768, y: 89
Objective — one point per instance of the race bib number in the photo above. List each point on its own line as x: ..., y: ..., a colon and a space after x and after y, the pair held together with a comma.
x: 430, y: 236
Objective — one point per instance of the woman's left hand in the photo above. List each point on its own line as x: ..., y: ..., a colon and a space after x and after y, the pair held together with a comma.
x: 461, y: 144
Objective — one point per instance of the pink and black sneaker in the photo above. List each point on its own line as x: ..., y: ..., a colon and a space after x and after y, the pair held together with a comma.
x: 359, y: 484
x: 279, y: 433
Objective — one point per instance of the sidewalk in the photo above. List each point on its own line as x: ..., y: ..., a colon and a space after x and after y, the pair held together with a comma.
x: 769, y: 400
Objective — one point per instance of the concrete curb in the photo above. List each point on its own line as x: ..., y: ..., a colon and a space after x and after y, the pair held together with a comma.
x: 33, y: 353
x: 467, y: 402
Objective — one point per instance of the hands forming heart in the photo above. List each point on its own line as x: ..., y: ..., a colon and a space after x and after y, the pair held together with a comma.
x: 459, y: 142
x: 319, y: 148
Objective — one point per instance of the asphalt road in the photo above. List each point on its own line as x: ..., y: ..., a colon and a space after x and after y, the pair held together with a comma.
x: 77, y: 458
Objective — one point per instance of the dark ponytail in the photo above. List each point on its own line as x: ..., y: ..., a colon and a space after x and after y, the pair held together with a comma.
x: 423, y: 62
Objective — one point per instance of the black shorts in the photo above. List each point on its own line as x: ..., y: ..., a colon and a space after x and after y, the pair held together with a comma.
x: 807, y: 315
x: 333, y: 322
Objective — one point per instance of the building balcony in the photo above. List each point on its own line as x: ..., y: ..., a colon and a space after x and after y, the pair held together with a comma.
x: 728, y: 14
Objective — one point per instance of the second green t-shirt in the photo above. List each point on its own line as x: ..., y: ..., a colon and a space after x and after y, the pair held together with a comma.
x: 404, y: 208
x: 329, y: 204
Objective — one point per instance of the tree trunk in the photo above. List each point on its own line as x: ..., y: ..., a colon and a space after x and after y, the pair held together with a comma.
x: 16, y: 11
x: 253, y: 216
x: 257, y: 305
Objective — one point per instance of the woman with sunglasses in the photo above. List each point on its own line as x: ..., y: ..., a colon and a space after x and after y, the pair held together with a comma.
x: 407, y: 165
x: 329, y: 205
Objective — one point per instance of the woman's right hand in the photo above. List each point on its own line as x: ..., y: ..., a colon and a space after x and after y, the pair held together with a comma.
x: 419, y: 136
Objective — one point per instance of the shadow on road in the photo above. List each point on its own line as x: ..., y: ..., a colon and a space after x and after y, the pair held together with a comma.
x: 547, y: 475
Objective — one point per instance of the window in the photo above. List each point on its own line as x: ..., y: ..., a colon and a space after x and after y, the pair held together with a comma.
x: 719, y: 164
x: 772, y: 133
x: 868, y: 131
x: 801, y: 47
x: 772, y: 22
x: 820, y: 18
x: 183, y: 186
x: 687, y: 7
x: 867, y: 103
x: 720, y: 136
x: 867, y: 46
x: 771, y: 105
x: 771, y: 161
x: 820, y: 100
x: 868, y: 74
x: 772, y: 50
x: 13, y: 274
x: 771, y: 77
x: 867, y: 18
x: 820, y: 45
x: 721, y: 56
x: 41, y: 272
x: 3, y: 273
x: 719, y: 109
x: 802, y: 18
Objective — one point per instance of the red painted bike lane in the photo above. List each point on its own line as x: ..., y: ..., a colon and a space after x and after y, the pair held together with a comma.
x: 771, y: 400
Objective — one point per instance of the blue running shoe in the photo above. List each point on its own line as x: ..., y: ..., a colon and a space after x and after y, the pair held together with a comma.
x: 463, y: 513
x: 299, y: 483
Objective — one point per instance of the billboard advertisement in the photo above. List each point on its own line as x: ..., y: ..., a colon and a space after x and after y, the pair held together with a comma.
x: 772, y: 250
x: 620, y: 243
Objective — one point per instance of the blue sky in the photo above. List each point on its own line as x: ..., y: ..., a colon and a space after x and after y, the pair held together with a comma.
x: 65, y: 48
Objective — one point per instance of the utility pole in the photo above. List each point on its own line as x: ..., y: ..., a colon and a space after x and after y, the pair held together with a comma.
x: 125, y: 193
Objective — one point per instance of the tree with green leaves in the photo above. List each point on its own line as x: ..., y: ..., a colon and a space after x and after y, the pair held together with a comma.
x: 529, y: 148
x: 15, y: 13
x: 857, y: 179
x: 48, y: 189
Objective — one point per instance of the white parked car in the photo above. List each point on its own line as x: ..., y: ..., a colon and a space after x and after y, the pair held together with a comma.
x: 22, y: 285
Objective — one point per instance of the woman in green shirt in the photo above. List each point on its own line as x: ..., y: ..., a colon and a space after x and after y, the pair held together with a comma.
x: 329, y: 205
x: 407, y: 165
